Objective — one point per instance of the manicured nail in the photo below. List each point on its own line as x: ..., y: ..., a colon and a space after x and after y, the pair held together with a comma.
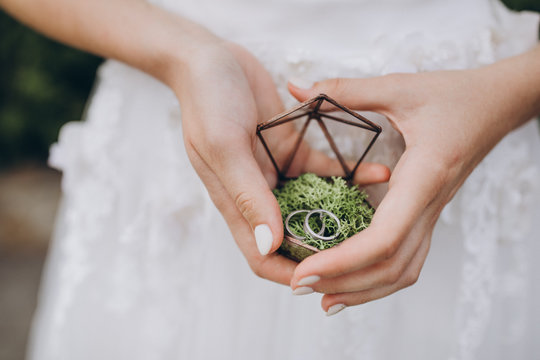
x: 301, y: 83
x: 334, y: 309
x: 302, y: 290
x: 308, y: 280
x: 264, y: 239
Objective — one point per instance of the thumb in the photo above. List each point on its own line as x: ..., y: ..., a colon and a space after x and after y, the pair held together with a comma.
x: 242, y: 179
x: 359, y: 94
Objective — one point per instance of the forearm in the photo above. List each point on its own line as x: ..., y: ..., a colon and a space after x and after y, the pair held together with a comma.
x: 515, y: 83
x: 132, y: 31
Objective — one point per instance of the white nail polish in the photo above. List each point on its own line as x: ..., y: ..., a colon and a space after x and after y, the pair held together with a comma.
x: 308, y: 280
x: 301, y: 83
x: 334, y: 309
x: 264, y: 238
x: 303, y: 290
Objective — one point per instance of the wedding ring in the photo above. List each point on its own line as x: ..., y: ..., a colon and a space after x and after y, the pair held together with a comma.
x: 319, y: 236
x: 299, y: 237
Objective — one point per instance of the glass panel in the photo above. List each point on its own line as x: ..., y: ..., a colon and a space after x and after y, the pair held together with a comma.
x: 316, y: 138
x: 282, y: 135
x: 351, y: 135
x: 340, y: 134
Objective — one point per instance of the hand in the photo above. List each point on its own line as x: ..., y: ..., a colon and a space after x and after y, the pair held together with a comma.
x: 449, y: 120
x: 223, y: 96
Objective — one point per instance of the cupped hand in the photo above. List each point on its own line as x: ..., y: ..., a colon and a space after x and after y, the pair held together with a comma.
x: 223, y: 94
x: 449, y: 121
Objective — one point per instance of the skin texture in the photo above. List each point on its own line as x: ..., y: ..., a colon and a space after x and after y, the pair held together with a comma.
x: 223, y: 91
x: 222, y: 146
x: 449, y: 120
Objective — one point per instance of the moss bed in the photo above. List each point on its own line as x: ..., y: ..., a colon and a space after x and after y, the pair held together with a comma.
x: 309, y: 192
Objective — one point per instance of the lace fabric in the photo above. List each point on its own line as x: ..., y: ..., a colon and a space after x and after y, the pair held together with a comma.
x: 143, y: 267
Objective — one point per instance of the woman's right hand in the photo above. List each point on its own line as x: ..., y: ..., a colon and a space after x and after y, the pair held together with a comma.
x: 224, y: 93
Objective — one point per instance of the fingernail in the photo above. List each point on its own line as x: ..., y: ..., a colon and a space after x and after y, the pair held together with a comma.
x: 264, y: 239
x: 308, y: 280
x: 301, y: 83
x: 334, y: 309
x: 303, y: 290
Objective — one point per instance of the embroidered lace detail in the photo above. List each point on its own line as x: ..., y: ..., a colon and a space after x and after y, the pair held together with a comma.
x: 496, y: 215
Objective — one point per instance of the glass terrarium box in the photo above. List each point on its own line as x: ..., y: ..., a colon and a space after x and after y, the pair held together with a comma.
x: 319, y: 212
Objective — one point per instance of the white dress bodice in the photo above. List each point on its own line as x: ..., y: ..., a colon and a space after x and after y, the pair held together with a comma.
x: 373, y: 37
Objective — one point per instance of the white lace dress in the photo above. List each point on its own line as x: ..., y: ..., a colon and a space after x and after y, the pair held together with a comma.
x: 142, y: 266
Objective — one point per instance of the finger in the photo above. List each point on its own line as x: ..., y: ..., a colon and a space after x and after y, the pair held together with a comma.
x: 367, y: 173
x: 359, y: 94
x: 311, y: 160
x: 229, y: 154
x: 272, y: 267
x: 332, y: 302
x: 412, y: 187
x: 383, y: 273
x: 371, y: 173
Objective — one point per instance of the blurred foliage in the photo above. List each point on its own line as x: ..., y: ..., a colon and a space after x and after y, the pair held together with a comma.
x: 44, y: 84
x: 533, y: 5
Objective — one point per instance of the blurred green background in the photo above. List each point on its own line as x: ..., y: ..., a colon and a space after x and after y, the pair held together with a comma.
x: 44, y: 84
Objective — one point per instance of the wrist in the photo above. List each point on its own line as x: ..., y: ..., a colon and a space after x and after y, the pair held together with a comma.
x: 175, y: 47
x: 208, y: 62
x: 514, y: 85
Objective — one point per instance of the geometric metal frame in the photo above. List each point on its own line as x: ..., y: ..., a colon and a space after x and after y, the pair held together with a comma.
x: 311, y: 109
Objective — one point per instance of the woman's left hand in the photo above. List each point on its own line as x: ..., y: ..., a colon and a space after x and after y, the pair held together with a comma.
x: 449, y: 120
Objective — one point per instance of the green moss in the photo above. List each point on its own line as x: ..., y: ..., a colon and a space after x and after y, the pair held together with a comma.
x: 309, y: 192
